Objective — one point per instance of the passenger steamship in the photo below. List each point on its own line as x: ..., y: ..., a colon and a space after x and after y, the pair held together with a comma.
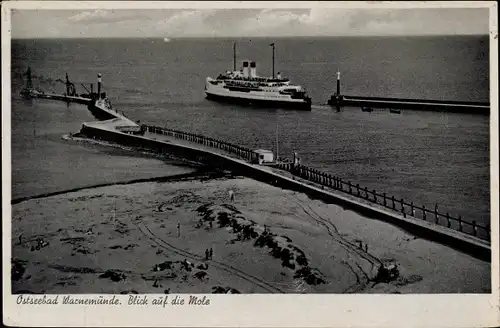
x: 246, y: 87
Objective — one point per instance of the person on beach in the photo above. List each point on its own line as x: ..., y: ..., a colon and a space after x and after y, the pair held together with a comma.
x: 211, y: 253
x: 231, y: 195
x: 207, y: 254
x: 178, y: 229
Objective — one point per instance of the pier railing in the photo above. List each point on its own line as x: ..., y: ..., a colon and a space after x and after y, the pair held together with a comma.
x: 242, y: 152
x: 405, y: 208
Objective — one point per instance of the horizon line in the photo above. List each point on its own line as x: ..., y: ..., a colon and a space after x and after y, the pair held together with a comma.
x: 248, y: 37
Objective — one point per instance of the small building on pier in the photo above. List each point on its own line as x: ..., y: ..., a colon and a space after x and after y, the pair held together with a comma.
x: 262, y: 156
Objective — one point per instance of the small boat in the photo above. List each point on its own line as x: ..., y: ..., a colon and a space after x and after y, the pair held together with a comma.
x: 166, y: 40
x: 366, y: 109
x: 395, y: 111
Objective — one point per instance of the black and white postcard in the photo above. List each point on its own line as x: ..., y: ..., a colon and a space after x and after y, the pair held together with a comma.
x: 323, y: 164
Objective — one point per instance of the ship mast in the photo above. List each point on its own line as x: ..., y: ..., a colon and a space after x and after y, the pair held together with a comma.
x: 29, y: 82
x: 272, y: 45
x: 234, y: 56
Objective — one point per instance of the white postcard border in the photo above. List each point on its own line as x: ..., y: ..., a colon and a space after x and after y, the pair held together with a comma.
x: 453, y: 310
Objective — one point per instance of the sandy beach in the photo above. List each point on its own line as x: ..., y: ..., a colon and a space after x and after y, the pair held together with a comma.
x: 153, y: 237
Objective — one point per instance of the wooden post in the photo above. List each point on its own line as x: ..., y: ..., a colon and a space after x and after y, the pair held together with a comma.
x: 412, y: 209
x: 357, y: 187
x: 460, y: 227
x: 436, y: 213
x: 385, y: 200
x: 393, y: 203
x: 374, y: 196
x: 424, y: 215
x: 474, y: 228
x: 403, y: 206
x: 366, y: 192
x: 448, y: 220
x: 341, y: 184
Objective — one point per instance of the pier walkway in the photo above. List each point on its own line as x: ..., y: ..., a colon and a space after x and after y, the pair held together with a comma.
x: 187, y: 143
x: 347, y: 196
x: 54, y: 96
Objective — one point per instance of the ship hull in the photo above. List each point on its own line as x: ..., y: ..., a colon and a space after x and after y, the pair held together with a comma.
x: 262, y: 103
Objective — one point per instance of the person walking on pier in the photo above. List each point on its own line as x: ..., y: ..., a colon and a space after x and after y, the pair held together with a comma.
x: 178, y: 230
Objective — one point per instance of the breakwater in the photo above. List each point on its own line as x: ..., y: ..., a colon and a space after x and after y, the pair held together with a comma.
x: 338, y: 100
x: 398, y: 205
x: 415, y: 104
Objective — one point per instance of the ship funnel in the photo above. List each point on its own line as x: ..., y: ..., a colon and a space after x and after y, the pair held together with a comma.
x: 245, y: 69
x: 253, y: 69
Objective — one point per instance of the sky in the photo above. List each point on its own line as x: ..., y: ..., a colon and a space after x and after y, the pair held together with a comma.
x: 252, y: 22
